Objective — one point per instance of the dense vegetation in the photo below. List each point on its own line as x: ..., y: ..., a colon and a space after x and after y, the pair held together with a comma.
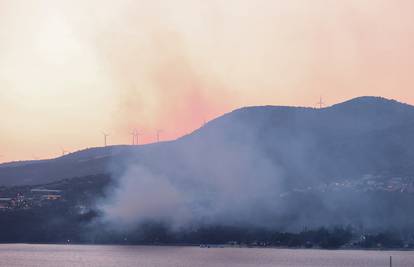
x: 74, y: 219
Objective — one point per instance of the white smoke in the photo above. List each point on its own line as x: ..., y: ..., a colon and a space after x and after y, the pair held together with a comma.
x: 229, y: 184
x: 270, y: 167
x: 142, y: 195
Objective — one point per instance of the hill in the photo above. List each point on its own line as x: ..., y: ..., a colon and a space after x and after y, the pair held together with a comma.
x: 366, y: 135
x: 266, y: 167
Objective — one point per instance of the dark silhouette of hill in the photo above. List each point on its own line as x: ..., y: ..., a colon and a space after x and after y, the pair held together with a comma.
x: 82, y: 163
x: 365, y: 135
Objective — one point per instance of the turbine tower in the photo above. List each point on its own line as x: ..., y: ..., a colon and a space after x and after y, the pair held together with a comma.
x: 133, y: 133
x: 105, y: 138
x: 320, y: 103
x: 64, y: 152
x: 159, y: 131
x: 137, y: 134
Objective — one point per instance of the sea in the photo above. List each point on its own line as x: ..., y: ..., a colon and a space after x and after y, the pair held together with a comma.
x: 23, y: 255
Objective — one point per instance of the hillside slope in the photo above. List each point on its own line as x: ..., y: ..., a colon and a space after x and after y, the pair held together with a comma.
x: 366, y: 135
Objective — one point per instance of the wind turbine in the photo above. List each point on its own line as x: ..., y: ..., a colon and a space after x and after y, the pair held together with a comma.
x: 105, y: 138
x: 320, y: 103
x: 64, y: 152
x: 133, y: 133
x: 137, y: 134
x: 159, y: 131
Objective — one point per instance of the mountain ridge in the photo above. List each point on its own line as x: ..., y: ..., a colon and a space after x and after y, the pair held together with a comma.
x: 285, y: 134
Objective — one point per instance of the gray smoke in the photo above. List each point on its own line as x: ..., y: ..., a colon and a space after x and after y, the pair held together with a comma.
x: 232, y: 185
x: 280, y: 167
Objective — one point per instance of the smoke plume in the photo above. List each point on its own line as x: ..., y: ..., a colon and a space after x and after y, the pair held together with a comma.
x: 278, y: 167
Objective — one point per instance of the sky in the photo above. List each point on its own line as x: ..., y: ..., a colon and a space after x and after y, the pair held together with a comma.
x: 70, y: 70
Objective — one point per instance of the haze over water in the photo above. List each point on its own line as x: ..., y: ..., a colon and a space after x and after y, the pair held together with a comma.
x: 93, y: 256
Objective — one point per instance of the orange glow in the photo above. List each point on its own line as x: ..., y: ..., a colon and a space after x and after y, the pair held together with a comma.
x: 72, y: 69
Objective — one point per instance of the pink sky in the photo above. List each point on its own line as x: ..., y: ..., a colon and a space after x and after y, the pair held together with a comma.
x: 72, y: 69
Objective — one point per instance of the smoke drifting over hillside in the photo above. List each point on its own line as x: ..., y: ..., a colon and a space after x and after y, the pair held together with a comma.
x: 278, y: 167
x: 233, y: 184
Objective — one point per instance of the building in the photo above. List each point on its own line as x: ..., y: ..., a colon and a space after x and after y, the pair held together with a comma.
x: 40, y: 194
x: 51, y: 197
x: 5, y: 203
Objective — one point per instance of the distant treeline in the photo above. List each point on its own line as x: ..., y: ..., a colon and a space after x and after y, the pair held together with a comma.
x: 74, y: 220
x: 60, y: 224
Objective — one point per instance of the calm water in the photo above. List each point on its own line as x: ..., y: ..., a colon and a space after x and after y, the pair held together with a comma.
x: 119, y: 256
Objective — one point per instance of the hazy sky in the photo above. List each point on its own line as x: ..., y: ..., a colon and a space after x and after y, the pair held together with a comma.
x: 72, y: 69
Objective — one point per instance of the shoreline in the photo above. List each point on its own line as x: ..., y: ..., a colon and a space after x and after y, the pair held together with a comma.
x: 210, y: 246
